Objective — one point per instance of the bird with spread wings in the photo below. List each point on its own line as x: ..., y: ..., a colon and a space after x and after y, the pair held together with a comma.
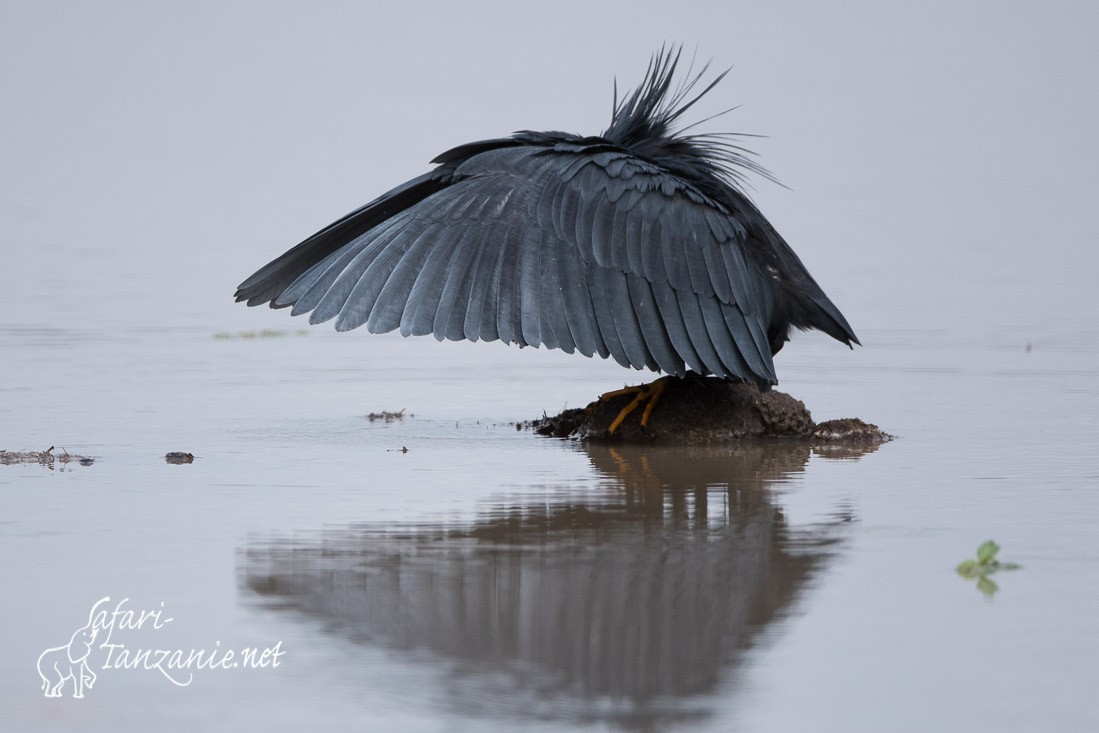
x: 638, y: 245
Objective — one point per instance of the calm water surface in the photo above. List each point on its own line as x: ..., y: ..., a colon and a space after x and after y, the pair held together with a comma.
x: 489, y: 578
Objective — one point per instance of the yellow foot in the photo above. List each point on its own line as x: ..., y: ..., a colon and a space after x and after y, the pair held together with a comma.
x: 650, y: 392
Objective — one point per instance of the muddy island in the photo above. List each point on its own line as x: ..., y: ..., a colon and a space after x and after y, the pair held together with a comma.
x: 699, y: 411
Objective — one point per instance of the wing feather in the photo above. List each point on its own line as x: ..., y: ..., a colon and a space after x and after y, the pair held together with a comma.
x: 386, y: 314
x: 676, y: 328
x: 347, y: 290
x: 528, y: 282
x: 579, y: 310
x: 695, y: 324
x: 652, y: 254
x: 605, y: 315
x: 736, y: 324
x: 604, y: 243
x: 625, y: 320
x: 450, y: 316
x: 505, y: 310
x: 551, y: 301
x: 723, y: 343
x: 309, y: 290
x: 651, y: 322
x: 630, y: 249
x: 418, y: 316
x: 481, y: 287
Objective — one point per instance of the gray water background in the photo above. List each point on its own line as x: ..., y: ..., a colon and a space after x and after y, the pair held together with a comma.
x: 940, y: 161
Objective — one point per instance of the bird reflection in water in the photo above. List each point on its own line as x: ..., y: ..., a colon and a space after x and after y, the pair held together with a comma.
x: 628, y: 603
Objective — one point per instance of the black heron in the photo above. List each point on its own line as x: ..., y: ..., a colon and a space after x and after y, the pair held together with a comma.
x: 639, y: 244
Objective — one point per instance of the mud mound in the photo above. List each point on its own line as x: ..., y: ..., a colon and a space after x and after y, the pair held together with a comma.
x: 700, y: 411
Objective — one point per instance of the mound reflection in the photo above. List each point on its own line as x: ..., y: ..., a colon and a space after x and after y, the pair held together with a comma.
x: 627, y: 603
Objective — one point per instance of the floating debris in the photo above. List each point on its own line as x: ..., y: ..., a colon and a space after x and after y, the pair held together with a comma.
x: 45, y: 458
x: 179, y: 457
x: 386, y: 416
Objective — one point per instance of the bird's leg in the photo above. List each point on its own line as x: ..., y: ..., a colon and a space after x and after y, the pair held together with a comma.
x: 618, y: 392
x: 641, y: 391
x: 650, y: 392
x: 656, y: 389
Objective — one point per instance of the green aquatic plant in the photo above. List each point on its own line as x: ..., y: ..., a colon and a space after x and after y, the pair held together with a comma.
x: 984, y: 565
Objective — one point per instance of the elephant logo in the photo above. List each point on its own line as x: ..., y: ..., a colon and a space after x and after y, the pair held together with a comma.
x: 68, y: 662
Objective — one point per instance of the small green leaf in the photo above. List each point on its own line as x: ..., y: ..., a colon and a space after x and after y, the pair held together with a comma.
x: 986, y: 586
x: 986, y: 553
x: 1009, y: 566
x: 969, y: 569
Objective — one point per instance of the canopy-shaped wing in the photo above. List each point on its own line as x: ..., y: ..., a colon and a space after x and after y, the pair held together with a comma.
x: 578, y: 247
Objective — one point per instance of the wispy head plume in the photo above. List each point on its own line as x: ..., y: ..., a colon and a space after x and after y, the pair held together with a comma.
x: 644, y: 122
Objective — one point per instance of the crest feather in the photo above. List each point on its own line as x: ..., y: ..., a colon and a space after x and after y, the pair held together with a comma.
x: 644, y: 122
